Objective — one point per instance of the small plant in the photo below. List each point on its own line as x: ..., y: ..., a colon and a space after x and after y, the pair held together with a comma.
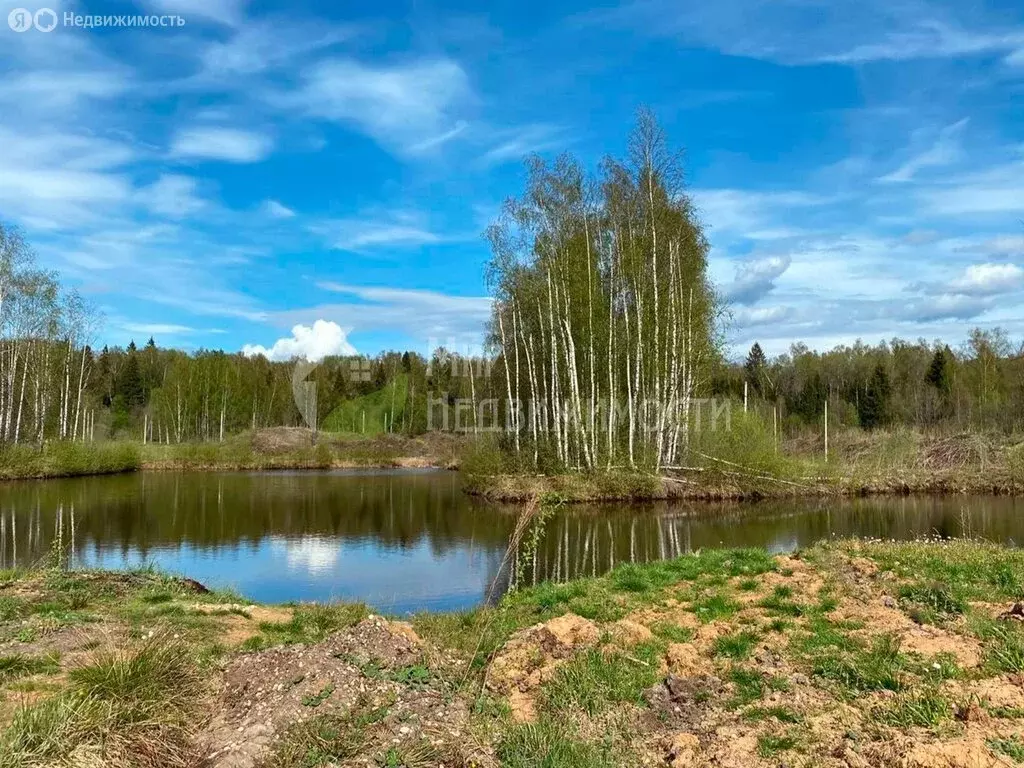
x: 769, y: 745
x: 316, y: 699
x: 593, y: 681
x: 749, y: 685
x: 550, y: 745
x: 935, y: 596
x: 780, y: 604
x: 15, y: 666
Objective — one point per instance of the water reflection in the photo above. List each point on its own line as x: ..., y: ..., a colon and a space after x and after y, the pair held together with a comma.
x: 407, y: 540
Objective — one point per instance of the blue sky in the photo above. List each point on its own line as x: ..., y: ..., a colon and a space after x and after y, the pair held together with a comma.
x: 859, y: 165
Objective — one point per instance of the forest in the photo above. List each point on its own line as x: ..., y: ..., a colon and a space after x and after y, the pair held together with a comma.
x: 605, y: 330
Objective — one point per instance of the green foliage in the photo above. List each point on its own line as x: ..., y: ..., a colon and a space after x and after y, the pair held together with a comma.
x: 714, y: 607
x: 374, y: 410
x: 325, y: 739
x: 310, y: 623
x: 314, y: 700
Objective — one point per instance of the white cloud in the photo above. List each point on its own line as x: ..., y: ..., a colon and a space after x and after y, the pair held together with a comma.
x: 276, y: 210
x: 517, y: 143
x: 945, y: 151
x: 228, y: 144
x: 420, y: 314
x: 755, y: 278
x: 989, y: 279
x: 404, y: 107
x: 395, y: 229
x: 795, y: 32
x: 172, y: 195
x: 312, y: 343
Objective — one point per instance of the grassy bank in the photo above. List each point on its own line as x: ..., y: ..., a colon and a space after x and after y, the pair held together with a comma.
x: 293, y: 448
x: 747, y: 463
x: 848, y: 654
x: 67, y: 460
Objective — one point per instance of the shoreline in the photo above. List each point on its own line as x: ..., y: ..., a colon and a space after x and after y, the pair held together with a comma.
x: 846, y: 652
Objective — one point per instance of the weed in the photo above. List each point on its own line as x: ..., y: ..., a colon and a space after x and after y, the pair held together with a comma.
x: 672, y: 632
x: 325, y: 739
x: 16, y: 665
x: 780, y: 604
x: 749, y: 685
x: 934, y: 596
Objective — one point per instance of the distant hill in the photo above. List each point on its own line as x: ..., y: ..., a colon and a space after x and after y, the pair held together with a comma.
x: 376, y: 406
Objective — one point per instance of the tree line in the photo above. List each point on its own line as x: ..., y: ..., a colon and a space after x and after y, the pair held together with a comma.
x: 976, y: 385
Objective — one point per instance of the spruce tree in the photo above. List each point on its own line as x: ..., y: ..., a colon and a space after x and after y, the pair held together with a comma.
x: 754, y: 368
x: 874, y: 406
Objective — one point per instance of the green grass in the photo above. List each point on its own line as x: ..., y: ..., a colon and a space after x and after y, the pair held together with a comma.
x: 593, y: 681
x: 779, y: 603
x: 979, y: 571
x: 736, y: 645
x: 325, y: 739
x: 550, y: 744
x: 67, y: 459
x: 769, y: 745
x: 13, y: 666
x: 136, y: 706
x: 310, y: 623
x: 879, y: 667
x: 1011, y: 746
x: 673, y: 633
x: 714, y: 607
x: 926, y: 709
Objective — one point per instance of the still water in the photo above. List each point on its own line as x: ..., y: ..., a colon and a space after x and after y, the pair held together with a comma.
x: 407, y: 540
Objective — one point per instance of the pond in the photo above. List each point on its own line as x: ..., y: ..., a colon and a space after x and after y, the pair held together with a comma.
x: 409, y: 540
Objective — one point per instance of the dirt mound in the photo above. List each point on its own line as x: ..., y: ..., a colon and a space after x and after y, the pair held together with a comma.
x: 531, y: 656
x: 376, y: 665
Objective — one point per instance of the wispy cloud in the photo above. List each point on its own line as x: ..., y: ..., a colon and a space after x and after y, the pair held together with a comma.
x: 405, y: 107
x: 276, y: 210
x: 945, y: 151
x: 756, y: 278
x: 229, y: 144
